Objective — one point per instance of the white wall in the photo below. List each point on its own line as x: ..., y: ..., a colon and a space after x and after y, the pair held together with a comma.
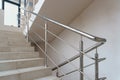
x: 101, y: 18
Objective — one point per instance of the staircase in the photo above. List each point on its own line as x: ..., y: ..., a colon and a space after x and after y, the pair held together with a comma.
x: 18, y: 60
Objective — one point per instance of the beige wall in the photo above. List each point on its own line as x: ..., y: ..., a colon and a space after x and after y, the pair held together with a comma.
x: 101, y: 18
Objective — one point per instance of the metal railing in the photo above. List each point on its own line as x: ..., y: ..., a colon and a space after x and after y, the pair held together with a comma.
x: 81, y: 51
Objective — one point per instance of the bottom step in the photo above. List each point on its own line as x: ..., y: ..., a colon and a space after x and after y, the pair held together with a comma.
x: 26, y: 73
x: 6, y: 65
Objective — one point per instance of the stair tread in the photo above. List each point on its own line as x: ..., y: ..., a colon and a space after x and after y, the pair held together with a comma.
x: 49, y: 78
x: 17, y: 60
x: 19, y: 71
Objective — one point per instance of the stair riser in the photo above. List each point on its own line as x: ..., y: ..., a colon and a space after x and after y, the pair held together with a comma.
x: 13, y: 56
x: 16, y: 49
x: 28, y: 75
x: 21, y: 64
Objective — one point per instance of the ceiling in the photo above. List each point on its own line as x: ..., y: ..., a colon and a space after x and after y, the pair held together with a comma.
x: 63, y: 11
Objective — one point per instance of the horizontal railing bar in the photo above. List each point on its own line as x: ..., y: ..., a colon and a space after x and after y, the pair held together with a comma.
x: 68, y: 73
x: 94, y: 38
x: 39, y: 25
x: 83, y: 67
x: 103, y: 78
x: 38, y: 35
x: 78, y: 55
x: 63, y: 40
x: 93, y: 47
x: 58, y: 38
x: 102, y: 59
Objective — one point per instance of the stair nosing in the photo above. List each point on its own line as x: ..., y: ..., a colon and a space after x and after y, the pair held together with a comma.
x: 19, y: 60
x: 16, y: 52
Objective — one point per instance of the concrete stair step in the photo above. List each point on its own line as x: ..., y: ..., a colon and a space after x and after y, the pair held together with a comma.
x: 10, y: 33
x: 25, y: 74
x: 12, y: 40
x: 16, y: 49
x: 20, y: 63
x: 49, y: 78
x: 18, y: 55
x: 10, y: 29
x: 11, y: 36
x: 6, y: 42
x: 14, y: 44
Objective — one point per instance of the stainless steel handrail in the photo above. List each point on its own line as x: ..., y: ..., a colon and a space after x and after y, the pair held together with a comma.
x: 99, y: 41
x: 94, y: 38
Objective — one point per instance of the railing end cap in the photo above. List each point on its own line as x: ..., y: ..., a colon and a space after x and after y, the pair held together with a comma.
x: 100, y: 39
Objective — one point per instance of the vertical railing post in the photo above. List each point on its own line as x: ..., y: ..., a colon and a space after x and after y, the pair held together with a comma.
x: 96, y: 66
x: 27, y: 26
x: 81, y: 59
x: 45, y: 43
x: 26, y: 20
